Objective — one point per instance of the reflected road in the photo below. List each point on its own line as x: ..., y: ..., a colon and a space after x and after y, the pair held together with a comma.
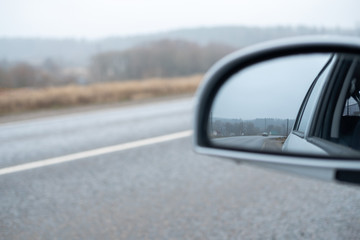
x: 269, y: 143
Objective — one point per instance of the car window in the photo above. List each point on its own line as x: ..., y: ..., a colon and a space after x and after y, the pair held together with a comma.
x: 351, y: 107
x: 352, y: 103
x: 349, y: 130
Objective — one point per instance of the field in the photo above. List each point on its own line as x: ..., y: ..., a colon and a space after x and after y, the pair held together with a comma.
x: 30, y: 99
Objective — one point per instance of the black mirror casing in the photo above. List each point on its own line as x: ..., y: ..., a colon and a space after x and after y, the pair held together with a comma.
x: 323, y: 167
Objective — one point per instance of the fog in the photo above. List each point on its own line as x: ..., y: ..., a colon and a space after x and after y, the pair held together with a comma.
x: 94, y: 19
x: 79, y: 44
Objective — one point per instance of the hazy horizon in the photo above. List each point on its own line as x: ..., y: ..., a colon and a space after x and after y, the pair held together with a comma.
x: 99, y: 19
x: 175, y: 30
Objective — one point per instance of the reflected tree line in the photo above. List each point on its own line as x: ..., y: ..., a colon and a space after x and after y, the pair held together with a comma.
x: 219, y: 127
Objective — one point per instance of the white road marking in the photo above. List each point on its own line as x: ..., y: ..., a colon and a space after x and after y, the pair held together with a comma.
x: 94, y: 152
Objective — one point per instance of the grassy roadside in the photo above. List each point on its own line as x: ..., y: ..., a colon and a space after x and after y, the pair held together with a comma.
x: 26, y: 100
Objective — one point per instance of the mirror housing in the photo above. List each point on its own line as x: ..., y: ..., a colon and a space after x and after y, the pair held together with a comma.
x: 341, y: 168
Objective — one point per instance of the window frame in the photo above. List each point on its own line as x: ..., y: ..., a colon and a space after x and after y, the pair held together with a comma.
x: 305, y: 103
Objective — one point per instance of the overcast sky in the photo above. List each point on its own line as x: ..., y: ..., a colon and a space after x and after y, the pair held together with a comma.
x: 103, y: 18
x: 271, y: 89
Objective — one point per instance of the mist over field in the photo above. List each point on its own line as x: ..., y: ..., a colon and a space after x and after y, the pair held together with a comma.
x: 48, y: 63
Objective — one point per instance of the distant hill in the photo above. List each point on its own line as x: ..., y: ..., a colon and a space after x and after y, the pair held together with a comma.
x: 71, y: 52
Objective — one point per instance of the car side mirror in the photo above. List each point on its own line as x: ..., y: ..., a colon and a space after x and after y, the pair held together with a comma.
x: 292, y: 105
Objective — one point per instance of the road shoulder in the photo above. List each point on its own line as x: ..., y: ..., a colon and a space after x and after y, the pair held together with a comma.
x: 16, y: 117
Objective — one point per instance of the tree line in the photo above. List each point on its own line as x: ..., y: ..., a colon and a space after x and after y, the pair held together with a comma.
x: 161, y: 59
x: 165, y: 58
x: 24, y: 74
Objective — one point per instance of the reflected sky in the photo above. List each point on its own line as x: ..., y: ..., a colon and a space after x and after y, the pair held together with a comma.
x: 271, y: 89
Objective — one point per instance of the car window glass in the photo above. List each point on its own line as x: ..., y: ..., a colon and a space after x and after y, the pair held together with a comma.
x: 350, y: 119
x: 351, y: 107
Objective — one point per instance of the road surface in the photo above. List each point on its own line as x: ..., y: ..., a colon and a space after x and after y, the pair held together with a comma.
x: 145, y: 187
x: 262, y: 143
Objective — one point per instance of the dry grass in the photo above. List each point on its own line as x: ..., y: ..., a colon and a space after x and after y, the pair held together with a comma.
x: 21, y: 100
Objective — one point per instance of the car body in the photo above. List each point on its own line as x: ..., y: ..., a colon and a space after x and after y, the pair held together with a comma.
x: 314, y: 131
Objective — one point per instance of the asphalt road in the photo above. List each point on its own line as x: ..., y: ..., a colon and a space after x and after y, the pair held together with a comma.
x: 157, y: 190
x: 267, y: 143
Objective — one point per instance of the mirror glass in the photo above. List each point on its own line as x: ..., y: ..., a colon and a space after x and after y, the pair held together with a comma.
x: 302, y: 104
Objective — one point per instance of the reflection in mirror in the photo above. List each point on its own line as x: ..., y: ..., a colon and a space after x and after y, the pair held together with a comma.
x: 278, y: 105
